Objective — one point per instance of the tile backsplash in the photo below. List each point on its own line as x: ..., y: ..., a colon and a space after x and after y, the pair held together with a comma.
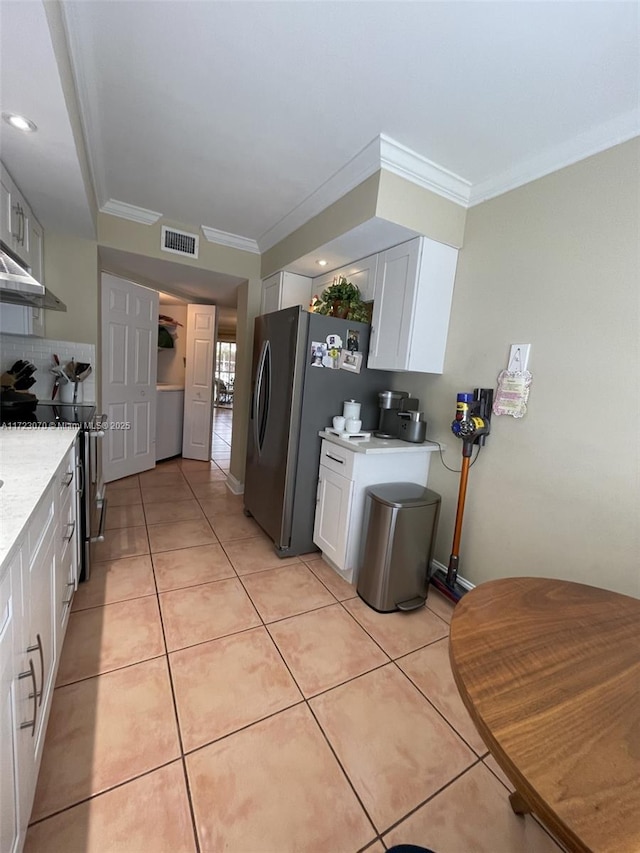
x: 39, y: 351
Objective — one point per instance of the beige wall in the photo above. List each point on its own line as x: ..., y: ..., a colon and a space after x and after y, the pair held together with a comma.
x: 249, y: 297
x: 553, y: 264
x: 71, y: 272
x: 354, y: 208
x: 407, y: 204
x: 127, y: 236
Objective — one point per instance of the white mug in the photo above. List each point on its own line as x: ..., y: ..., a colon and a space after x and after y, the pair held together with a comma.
x: 338, y: 423
x: 352, y: 425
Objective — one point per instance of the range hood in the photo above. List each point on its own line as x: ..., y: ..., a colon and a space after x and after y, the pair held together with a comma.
x: 19, y: 287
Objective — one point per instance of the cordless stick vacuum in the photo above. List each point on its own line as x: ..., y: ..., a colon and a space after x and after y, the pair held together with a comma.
x: 472, y: 424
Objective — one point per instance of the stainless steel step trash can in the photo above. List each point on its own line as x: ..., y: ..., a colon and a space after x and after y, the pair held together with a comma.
x: 401, y: 532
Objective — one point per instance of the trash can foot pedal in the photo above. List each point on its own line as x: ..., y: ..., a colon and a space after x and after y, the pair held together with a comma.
x: 411, y: 603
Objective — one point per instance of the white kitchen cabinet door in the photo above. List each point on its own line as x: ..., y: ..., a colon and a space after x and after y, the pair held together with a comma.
x: 15, y: 218
x: 393, y: 307
x: 271, y: 290
x: 129, y: 370
x: 10, y: 840
x: 412, y: 306
x: 362, y: 273
x: 198, y: 387
x: 6, y: 213
x: 284, y: 290
x: 333, y: 510
x: 38, y: 602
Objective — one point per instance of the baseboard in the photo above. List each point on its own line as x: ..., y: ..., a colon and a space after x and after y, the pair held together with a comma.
x: 234, y: 485
x: 462, y: 581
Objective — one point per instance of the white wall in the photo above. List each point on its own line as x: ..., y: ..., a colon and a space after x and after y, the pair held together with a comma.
x: 557, y: 493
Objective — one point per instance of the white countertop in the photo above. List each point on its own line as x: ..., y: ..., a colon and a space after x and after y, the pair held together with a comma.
x: 379, y: 445
x: 28, y: 460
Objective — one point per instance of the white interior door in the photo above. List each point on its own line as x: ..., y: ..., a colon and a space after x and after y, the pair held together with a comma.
x: 129, y: 370
x: 198, y: 387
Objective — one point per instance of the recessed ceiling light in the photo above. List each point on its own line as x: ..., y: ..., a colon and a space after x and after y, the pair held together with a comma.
x: 322, y: 263
x: 20, y: 122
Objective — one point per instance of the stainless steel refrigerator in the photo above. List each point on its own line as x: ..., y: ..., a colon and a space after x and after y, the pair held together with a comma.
x: 295, y: 392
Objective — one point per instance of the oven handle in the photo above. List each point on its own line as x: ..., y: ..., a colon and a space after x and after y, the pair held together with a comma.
x: 80, y: 467
x: 103, y: 520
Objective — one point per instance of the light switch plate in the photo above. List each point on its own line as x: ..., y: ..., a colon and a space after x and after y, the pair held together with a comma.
x: 519, y: 357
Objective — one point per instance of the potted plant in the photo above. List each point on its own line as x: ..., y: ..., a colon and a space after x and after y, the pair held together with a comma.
x: 342, y: 299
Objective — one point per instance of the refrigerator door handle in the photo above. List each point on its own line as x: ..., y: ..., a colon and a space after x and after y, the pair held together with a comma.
x: 259, y: 416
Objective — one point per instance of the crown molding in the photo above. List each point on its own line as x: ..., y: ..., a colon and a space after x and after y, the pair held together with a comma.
x: 86, y: 94
x: 129, y: 211
x: 383, y: 152
x: 235, y: 241
x: 406, y: 163
x: 608, y: 135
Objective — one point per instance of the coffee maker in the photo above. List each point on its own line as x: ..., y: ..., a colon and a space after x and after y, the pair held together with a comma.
x: 394, y: 408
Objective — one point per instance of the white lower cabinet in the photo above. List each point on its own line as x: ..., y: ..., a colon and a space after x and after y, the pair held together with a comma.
x: 344, y: 477
x: 333, y: 508
x: 10, y: 835
x: 36, y: 587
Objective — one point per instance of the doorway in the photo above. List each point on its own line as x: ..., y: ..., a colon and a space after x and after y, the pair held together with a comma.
x: 225, y: 373
x: 221, y: 437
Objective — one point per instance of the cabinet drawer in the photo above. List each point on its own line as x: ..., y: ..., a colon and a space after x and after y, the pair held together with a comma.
x: 67, y: 473
x: 337, y: 459
x: 67, y: 526
x: 40, y: 525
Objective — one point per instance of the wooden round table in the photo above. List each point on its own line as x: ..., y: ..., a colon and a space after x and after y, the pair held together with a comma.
x: 550, y: 673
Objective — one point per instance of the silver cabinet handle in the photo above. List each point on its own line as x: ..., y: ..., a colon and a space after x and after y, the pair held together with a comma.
x: 68, y: 477
x: 39, y: 649
x: 31, y: 673
x: 15, y: 235
x: 69, y: 600
x: 335, y: 458
x: 72, y: 525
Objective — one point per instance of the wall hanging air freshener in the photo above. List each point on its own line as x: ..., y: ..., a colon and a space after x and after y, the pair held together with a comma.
x: 512, y: 393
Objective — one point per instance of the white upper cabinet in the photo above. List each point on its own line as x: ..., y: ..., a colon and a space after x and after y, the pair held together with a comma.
x: 284, y: 289
x: 19, y: 229
x: 412, y: 303
x: 362, y: 273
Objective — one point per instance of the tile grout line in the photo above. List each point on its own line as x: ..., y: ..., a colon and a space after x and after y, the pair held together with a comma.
x: 175, y: 714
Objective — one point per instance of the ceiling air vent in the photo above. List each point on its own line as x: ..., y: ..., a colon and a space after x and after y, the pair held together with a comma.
x: 179, y: 242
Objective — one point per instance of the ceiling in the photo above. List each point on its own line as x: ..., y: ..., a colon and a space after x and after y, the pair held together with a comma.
x: 231, y: 115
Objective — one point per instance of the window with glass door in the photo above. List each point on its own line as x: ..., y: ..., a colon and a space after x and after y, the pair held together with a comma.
x: 225, y: 372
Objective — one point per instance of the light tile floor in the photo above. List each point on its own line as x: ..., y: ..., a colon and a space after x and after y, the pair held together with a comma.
x: 213, y: 698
